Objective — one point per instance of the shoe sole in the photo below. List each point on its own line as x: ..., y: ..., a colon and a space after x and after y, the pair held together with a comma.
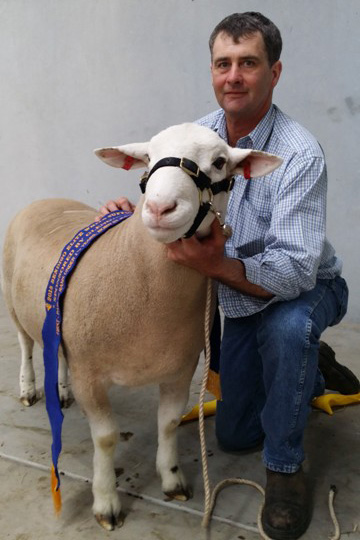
x: 293, y: 534
x: 337, y: 377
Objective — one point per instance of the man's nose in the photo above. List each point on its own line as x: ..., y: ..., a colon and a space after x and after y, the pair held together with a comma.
x: 234, y: 75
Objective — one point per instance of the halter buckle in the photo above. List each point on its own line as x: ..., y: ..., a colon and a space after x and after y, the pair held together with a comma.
x: 185, y: 166
x: 231, y: 184
x: 143, y: 181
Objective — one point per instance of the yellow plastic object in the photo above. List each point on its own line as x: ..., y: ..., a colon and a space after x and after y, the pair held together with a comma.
x: 327, y: 401
x: 213, y: 384
x: 209, y: 410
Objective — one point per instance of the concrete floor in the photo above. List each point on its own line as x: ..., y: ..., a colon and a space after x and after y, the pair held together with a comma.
x: 332, y: 446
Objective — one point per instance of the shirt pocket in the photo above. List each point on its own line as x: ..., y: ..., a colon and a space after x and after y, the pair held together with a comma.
x: 260, y: 212
x: 253, y: 222
x: 258, y: 199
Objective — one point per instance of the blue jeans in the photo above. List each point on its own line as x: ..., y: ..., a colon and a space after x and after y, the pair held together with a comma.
x: 269, y: 374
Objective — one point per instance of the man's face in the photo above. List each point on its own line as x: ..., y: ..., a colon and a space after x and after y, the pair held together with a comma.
x: 242, y: 78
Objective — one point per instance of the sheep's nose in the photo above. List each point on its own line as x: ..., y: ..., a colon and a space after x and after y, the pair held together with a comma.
x: 159, y: 209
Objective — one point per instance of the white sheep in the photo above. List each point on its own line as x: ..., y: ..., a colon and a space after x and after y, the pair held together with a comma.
x: 130, y: 316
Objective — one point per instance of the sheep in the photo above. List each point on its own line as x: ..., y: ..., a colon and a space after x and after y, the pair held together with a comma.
x: 130, y: 315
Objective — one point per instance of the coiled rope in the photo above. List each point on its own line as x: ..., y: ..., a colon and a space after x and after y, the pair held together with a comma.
x: 209, y: 494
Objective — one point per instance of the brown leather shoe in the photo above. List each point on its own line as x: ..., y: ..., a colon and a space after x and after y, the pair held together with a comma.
x: 337, y: 377
x: 287, y: 511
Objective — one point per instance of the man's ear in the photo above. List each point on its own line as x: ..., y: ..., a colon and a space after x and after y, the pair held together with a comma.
x: 253, y: 163
x: 276, y: 70
x: 129, y: 156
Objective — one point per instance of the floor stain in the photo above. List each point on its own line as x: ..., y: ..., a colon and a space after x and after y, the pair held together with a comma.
x: 125, y: 435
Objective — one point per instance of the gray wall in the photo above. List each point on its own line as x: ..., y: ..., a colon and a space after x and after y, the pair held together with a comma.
x: 79, y: 74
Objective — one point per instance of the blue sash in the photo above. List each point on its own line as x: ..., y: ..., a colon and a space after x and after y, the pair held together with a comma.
x: 51, y: 332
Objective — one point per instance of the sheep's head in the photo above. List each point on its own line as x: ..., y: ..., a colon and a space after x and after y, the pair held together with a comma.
x: 172, y: 196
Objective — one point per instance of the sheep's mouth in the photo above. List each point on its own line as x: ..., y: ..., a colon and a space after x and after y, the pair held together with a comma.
x: 167, y: 223
x: 161, y: 227
x: 168, y: 226
x: 168, y: 233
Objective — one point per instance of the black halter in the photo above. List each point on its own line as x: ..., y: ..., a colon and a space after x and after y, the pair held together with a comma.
x: 202, y: 182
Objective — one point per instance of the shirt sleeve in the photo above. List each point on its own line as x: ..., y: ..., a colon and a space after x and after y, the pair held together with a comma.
x: 295, y: 239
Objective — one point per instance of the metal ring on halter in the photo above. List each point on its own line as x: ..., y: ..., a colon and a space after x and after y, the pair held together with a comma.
x: 211, y: 196
x: 216, y: 212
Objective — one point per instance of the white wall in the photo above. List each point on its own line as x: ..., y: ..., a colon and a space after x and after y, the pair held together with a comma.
x: 78, y: 74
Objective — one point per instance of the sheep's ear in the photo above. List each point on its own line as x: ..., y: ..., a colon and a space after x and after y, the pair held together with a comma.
x: 253, y: 163
x: 129, y: 156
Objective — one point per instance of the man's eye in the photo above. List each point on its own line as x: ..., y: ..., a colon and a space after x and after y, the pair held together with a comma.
x: 219, y: 163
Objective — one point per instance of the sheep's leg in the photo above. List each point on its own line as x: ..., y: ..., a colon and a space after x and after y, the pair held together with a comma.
x: 173, y: 400
x: 65, y: 395
x: 104, y: 432
x: 27, y: 373
x: 107, y: 504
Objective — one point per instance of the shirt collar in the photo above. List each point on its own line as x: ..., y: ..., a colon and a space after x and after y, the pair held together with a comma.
x: 258, y: 136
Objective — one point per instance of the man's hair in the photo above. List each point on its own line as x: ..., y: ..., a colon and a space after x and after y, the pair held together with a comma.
x: 239, y: 25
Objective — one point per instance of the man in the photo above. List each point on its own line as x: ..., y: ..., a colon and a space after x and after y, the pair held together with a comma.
x: 280, y: 283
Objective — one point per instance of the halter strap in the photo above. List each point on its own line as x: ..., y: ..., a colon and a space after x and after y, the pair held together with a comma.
x: 201, y: 180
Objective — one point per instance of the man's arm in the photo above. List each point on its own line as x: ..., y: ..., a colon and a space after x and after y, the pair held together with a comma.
x: 294, y: 242
x: 206, y: 255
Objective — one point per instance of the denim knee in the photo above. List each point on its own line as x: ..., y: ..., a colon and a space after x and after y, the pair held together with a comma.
x: 286, y: 329
x: 236, y: 432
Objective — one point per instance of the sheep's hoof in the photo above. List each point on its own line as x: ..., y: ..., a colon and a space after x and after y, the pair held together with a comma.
x: 109, y: 523
x: 179, y: 494
x: 28, y: 400
x: 66, y: 402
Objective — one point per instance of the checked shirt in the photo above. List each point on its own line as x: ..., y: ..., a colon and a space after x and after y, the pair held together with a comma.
x: 278, y: 220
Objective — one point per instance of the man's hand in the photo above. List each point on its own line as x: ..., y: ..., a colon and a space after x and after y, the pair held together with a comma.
x: 206, y: 255
x: 122, y: 203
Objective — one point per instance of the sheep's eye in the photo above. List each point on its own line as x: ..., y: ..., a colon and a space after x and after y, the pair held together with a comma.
x: 219, y: 163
